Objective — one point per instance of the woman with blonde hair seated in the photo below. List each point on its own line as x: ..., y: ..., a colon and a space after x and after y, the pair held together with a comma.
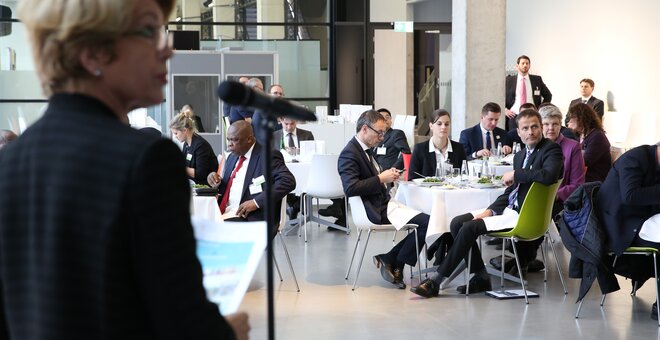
x: 96, y: 236
x: 199, y: 155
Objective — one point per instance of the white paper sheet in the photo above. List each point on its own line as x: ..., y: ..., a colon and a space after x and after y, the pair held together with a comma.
x: 229, y: 253
x: 651, y: 229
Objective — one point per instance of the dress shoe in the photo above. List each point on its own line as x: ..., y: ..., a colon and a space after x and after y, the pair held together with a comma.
x: 654, y: 311
x: 476, y: 285
x: 494, y: 242
x: 496, y: 262
x: 427, y: 289
x: 514, y: 270
x: 535, y: 266
x: 340, y: 222
x: 291, y: 213
x: 398, y: 278
x: 386, y: 269
x: 330, y: 211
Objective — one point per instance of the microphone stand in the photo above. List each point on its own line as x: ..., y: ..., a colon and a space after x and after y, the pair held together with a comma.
x: 265, y: 129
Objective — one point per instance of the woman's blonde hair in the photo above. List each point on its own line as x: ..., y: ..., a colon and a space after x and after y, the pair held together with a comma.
x: 182, y: 121
x: 59, y: 30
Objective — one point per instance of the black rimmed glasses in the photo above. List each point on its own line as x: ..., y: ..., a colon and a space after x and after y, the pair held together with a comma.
x: 379, y: 133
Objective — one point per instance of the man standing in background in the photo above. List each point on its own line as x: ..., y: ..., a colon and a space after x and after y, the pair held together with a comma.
x: 586, y: 89
x: 523, y: 88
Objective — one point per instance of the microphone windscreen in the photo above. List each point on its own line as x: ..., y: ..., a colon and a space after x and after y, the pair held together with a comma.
x: 233, y: 92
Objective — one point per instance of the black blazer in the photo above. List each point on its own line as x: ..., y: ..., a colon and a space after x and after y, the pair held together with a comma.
x: 202, y: 158
x: 283, y: 181
x: 544, y: 94
x: 279, y: 142
x: 395, y: 143
x: 359, y: 178
x: 595, y: 103
x: 546, y: 166
x: 472, y: 140
x: 424, y: 162
x: 95, y: 237
x: 629, y: 195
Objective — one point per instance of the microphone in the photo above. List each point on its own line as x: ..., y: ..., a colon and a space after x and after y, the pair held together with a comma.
x: 236, y: 93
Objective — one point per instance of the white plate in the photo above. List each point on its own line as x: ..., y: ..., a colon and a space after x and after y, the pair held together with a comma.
x: 482, y: 185
x: 420, y: 181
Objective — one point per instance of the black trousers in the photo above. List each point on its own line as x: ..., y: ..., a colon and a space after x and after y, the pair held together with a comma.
x: 406, y: 251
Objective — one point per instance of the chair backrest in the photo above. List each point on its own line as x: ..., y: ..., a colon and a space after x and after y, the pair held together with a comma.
x: 283, y: 215
x: 406, y: 164
x: 536, y: 211
x: 324, y: 180
x: 359, y: 213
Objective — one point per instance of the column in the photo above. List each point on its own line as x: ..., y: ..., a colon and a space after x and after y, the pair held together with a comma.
x: 224, y: 11
x: 270, y: 11
x: 478, y: 59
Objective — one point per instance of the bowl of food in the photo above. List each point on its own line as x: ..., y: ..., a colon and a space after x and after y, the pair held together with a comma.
x: 482, y: 183
x: 429, y: 181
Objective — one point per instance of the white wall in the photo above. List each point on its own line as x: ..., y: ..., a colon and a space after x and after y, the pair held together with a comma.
x: 613, y: 42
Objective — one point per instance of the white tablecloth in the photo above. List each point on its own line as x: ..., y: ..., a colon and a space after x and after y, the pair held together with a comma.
x: 443, y: 205
x: 206, y: 207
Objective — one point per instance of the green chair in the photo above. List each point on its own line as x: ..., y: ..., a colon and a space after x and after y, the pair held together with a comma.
x: 535, y: 217
x: 645, y: 251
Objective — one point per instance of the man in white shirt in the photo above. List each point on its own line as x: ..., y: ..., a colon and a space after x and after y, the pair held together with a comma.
x: 523, y: 88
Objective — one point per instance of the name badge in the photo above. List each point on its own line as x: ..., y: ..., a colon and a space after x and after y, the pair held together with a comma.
x: 381, y: 151
x: 189, y: 157
x: 537, y: 93
x: 255, y: 189
x: 259, y: 180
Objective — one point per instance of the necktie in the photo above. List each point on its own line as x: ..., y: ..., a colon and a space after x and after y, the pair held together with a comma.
x: 291, y: 143
x: 523, y: 92
x: 225, y: 197
x: 489, y: 145
x: 584, y: 101
x: 370, y: 154
x: 513, y: 195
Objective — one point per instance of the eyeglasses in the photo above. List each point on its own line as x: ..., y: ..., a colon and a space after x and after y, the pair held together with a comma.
x: 379, y: 133
x: 159, y: 36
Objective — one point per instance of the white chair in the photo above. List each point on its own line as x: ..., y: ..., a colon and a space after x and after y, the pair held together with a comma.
x: 324, y: 183
x: 286, y: 251
x: 361, y: 221
x: 406, y: 123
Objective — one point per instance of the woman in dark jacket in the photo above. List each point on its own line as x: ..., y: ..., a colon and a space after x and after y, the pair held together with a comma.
x: 426, y: 154
x: 200, y: 158
x: 595, y: 145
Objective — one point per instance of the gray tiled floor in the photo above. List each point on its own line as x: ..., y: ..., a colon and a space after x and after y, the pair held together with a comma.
x: 327, y: 308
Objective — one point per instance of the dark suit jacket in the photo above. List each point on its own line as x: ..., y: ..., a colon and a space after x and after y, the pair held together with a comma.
x: 237, y: 113
x: 395, y: 143
x: 95, y: 237
x: 595, y: 103
x: 544, y: 96
x: 203, y: 159
x: 279, y: 143
x: 424, y: 162
x: 546, y: 166
x: 629, y: 195
x: 472, y: 140
x: 283, y: 181
x: 359, y: 178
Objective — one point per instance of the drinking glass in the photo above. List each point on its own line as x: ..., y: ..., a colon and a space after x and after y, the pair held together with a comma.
x: 465, y: 172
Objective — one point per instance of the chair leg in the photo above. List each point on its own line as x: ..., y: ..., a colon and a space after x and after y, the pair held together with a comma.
x: 318, y: 205
x: 350, y: 264
x: 522, y: 279
x: 577, y: 314
x: 278, y: 269
x: 394, y: 237
x: 419, y: 265
x: 288, y: 259
x: 348, y: 227
x: 544, y: 255
x: 357, y: 273
x: 657, y: 291
x: 502, y: 264
x: 467, y: 273
x: 561, y: 275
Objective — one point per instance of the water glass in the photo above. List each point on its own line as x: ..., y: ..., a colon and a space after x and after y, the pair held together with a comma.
x: 456, y: 175
x: 465, y: 172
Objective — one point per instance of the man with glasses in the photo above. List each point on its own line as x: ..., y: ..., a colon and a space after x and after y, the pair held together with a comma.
x: 362, y: 176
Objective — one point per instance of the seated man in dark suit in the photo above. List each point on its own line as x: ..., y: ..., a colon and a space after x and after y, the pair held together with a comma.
x: 481, y: 138
x: 290, y: 137
x: 388, y: 152
x: 362, y: 176
x: 540, y: 161
x: 629, y: 196
x: 240, y: 186
x: 586, y: 89
x: 513, y: 133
